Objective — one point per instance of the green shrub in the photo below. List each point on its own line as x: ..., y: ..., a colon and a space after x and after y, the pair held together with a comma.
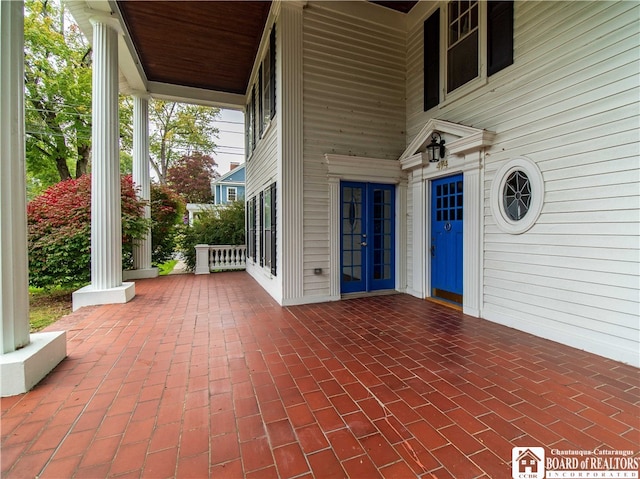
x: 222, y: 226
x: 59, y: 232
x: 167, y: 209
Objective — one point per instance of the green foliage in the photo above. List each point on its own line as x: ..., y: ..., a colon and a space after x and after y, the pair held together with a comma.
x: 57, y: 94
x: 178, y: 129
x: 167, y: 209
x: 191, y: 177
x: 219, y: 226
x: 134, y: 226
x: 46, y: 306
x: 59, y: 232
x: 58, y: 98
x: 166, y: 268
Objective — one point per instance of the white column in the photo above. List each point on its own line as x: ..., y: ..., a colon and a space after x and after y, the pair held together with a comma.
x: 401, y: 237
x: 334, y: 238
x: 141, y: 178
x: 420, y: 261
x: 472, y: 235
x: 290, y: 143
x: 106, y: 217
x: 13, y: 227
x: 25, y: 358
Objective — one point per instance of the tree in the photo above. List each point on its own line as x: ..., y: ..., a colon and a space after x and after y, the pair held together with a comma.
x: 59, y: 231
x: 191, y: 177
x: 179, y: 130
x: 57, y: 96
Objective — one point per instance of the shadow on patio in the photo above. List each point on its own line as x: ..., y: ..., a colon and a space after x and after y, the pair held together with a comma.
x: 206, y: 376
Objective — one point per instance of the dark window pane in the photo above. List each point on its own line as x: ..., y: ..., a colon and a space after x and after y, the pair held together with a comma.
x: 432, y: 61
x: 462, y: 62
x: 272, y: 82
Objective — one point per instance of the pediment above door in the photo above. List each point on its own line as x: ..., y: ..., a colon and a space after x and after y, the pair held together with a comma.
x: 460, y: 140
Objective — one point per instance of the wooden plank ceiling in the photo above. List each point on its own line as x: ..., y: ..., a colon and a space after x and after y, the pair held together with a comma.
x: 202, y: 44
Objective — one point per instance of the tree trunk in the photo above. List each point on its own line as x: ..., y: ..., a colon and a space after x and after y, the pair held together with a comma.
x: 163, y: 162
x: 82, y: 163
x: 63, y: 169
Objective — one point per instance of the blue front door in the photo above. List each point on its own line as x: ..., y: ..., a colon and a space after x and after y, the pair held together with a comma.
x: 367, y: 239
x: 446, y: 238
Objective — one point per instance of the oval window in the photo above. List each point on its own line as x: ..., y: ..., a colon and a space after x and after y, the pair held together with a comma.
x: 517, y: 195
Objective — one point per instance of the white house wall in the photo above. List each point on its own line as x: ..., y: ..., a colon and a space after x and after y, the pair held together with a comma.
x: 354, y: 101
x: 569, y: 103
x: 261, y: 171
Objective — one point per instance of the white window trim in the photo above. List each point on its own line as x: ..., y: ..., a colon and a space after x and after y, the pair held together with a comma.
x: 503, y: 221
x: 235, y: 191
x: 481, y: 79
x: 263, y: 234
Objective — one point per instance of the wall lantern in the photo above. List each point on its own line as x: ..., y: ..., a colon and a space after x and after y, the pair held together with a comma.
x: 436, y: 149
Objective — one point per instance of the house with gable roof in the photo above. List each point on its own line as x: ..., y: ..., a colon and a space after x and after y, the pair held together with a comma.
x: 230, y: 186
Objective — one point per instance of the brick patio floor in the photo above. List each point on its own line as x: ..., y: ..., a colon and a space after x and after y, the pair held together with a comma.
x: 206, y: 376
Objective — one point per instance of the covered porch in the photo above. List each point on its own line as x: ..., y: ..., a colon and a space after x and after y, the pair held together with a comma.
x: 207, y: 376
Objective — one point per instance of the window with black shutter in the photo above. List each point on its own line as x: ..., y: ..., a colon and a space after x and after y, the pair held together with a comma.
x: 253, y: 118
x: 462, y: 43
x: 274, y: 229
x: 461, y: 39
x: 247, y: 131
x: 261, y: 228
x: 260, y: 112
x: 499, y: 36
x: 268, y: 226
x: 251, y: 228
x: 272, y: 79
x: 266, y: 87
x: 432, y: 61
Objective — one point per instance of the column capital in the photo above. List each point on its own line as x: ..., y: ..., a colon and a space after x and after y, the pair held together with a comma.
x: 143, y: 95
x: 103, y: 18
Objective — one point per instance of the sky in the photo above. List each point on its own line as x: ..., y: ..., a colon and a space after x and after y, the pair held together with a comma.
x: 230, y: 140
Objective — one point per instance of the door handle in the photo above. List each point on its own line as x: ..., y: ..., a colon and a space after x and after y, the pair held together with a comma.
x: 433, y: 250
x: 364, y: 243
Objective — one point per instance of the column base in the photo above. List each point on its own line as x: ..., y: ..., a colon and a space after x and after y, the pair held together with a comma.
x: 144, y: 273
x: 88, y: 296
x: 22, y: 369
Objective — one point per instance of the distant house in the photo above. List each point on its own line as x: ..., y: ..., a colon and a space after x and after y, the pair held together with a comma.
x: 230, y: 186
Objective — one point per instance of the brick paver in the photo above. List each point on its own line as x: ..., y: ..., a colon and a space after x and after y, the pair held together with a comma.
x: 206, y: 376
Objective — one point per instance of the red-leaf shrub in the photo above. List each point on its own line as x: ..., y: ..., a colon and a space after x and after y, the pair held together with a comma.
x: 191, y: 177
x: 59, y: 232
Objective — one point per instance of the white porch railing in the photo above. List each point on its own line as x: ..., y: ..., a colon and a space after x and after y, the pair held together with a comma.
x: 211, y: 258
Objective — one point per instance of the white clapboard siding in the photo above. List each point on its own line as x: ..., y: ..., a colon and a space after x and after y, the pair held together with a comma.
x: 261, y: 170
x: 570, y: 103
x: 597, y: 290
x: 354, y: 104
x: 261, y: 167
x: 566, y: 251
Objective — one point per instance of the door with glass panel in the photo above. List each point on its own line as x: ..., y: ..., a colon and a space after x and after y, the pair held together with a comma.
x: 367, y: 237
x: 446, y: 238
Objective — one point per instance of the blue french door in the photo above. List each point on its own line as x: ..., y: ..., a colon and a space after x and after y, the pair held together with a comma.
x: 446, y: 238
x: 367, y: 239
